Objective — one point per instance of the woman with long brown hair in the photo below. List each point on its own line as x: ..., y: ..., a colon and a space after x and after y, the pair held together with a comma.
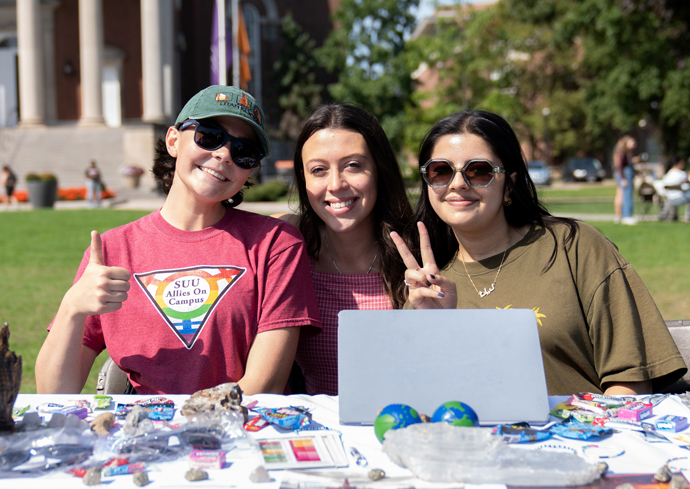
x: 351, y: 196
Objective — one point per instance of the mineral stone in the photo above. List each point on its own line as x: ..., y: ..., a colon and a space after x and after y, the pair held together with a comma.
x: 219, y: 398
x: 137, y: 422
x: 10, y: 380
x: 602, y: 467
x: 259, y: 475
x: 141, y: 479
x: 196, y: 475
x: 663, y: 474
x: 376, y: 474
x: 678, y: 482
x: 92, y: 476
x: 102, y: 424
x: 30, y: 422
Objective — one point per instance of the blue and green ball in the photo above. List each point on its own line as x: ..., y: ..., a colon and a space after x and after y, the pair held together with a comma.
x: 393, y: 417
x: 455, y: 413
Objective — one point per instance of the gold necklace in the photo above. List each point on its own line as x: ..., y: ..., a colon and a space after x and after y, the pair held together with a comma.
x: 485, y: 292
x: 336, y: 266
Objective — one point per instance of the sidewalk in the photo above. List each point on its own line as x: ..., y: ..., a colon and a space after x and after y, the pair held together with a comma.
x: 147, y: 200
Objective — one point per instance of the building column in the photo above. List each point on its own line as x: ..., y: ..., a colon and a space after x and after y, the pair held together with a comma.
x: 31, y: 74
x: 152, y: 62
x: 91, y: 61
x: 170, y: 89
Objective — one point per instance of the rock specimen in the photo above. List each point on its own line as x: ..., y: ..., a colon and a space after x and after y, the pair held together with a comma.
x: 196, y: 475
x: 10, y: 380
x: 221, y: 397
x: 137, y: 422
x: 663, y: 474
x: 376, y: 474
x: 92, y: 476
x: 260, y: 475
x: 102, y: 424
x: 678, y: 482
x: 141, y: 479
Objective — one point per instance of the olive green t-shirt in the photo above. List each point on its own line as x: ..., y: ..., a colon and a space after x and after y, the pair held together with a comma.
x: 597, y: 321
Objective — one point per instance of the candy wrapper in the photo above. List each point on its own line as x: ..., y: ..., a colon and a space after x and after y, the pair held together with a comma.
x: 579, y: 431
x: 290, y: 418
x: 520, y: 433
x: 157, y: 408
x: 101, y: 402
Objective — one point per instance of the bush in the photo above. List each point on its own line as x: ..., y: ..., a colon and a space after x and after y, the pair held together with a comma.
x: 266, y: 192
x: 43, y: 177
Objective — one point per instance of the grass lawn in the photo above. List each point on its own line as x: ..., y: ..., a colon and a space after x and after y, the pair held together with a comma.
x: 39, y: 255
x: 41, y: 250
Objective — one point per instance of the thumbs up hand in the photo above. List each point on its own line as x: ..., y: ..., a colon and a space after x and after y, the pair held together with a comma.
x: 101, y: 288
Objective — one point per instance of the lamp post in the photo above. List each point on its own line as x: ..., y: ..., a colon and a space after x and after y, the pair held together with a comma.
x: 545, y: 112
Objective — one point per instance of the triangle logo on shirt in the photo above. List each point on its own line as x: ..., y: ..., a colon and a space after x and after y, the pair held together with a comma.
x: 186, y: 297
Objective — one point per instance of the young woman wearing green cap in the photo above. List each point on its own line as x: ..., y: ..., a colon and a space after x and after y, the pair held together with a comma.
x: 198, y: 293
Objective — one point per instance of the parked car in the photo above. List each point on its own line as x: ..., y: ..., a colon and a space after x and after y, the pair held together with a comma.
x: 583, y: 169
x: 539, y: 172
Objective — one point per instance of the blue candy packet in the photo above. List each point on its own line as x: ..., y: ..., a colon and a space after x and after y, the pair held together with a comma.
x: 579, y: 431
x: 290, y: 418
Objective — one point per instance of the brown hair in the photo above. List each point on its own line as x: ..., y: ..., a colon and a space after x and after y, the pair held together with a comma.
x: 392, y: 211
x: 164, y: 172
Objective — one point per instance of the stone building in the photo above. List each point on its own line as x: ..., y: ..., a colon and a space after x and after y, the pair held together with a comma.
x: 102, y: 79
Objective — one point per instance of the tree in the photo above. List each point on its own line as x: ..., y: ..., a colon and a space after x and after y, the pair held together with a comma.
x: 295, y: 73
x: 367, y: 49
x: 488, y: 59
x: 634, y: 64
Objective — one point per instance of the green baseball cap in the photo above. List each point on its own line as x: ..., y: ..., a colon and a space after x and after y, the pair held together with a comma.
x: 218, y: 100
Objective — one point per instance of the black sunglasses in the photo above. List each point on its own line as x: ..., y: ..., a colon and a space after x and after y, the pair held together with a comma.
x: 210, y: 137
x: 476, y: 173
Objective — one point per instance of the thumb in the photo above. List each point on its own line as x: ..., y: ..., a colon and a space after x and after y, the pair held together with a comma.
x: 96, y: 249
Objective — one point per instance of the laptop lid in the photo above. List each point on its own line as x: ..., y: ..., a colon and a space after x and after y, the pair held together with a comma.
x: 489, y: 359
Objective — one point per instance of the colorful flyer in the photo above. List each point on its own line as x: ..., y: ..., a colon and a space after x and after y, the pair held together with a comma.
x: 323, y: 449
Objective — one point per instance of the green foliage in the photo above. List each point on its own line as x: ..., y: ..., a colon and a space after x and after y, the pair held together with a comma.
x: 295, y: 74
x: 599, y: 66
x: 266, y: 192
x: 40, y: 177
x: 367, y: 49
x: 632, y: 62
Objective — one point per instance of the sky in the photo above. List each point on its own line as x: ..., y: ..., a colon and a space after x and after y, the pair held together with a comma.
x: 426, y: 7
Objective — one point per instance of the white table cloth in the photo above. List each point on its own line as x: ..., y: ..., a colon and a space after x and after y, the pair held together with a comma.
x: 640, y: 456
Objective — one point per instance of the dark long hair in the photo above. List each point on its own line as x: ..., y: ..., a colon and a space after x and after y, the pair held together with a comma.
x: 392, y: 210
x: 164, y: 171
x: 525, y: 208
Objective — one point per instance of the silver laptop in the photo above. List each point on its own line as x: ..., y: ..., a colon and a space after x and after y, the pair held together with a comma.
x: 489, y: 359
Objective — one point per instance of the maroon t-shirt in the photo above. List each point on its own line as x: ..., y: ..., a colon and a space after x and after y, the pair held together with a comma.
x: 198, y: 299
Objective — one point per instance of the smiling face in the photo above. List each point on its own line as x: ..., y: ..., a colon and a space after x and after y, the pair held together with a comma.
x: 340, y: 176
x: 206, y: 177
x: 467, y: 209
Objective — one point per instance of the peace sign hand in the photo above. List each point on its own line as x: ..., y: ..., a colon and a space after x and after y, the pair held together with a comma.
x: 428, y: 289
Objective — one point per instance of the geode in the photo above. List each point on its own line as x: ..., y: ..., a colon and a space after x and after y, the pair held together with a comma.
x: 10, y: 380
x: 219, y: 398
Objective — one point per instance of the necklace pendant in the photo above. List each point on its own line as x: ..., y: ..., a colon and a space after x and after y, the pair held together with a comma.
x: 485, y: 292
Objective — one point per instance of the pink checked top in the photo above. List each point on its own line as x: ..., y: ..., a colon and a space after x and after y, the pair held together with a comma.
x: 318, y: 355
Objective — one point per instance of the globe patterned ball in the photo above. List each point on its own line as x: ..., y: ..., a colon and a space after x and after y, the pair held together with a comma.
x: 455, y: 413
x: 393, y: 417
